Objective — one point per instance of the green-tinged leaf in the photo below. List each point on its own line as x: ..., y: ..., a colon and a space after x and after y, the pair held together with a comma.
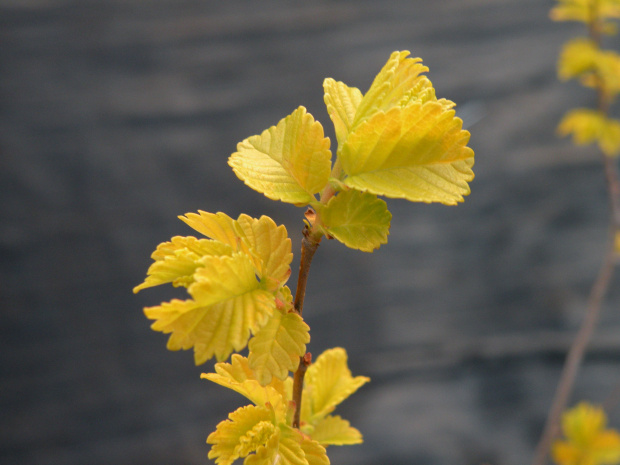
x: 218, y: 226
x: 269, y: 246
x: 276, y: 348
x: 289, y: 162
x: 333, y: 430
x: 329, y: 382
x: 392, y: 86
x: 246, y: 429
x: 228, y: 304
x: 342, y: 102
x: 357, y: 219
x: 315, y: 453
x: 239, y: 377
x: 177, y: 260
x: 418, y: 153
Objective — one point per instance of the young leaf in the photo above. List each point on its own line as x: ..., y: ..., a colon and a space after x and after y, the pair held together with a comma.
x: 218, y: 226
x: 391, y: 86
x: 587, y: 11
x: 276, y: 348
x: 333, y: 430
x: 264, y: 242
x: 418, y: 153
x: 342, y: 102
x: 587, y: 126
x: 314, y: 452
x: 228, y: 304
x: 331, y: 382
x: 587, y: 440
x: 269, y: 246
x: 239, y: 377
x: 289, y: 162
x: 290, y: 451
x: 578, y: 56
x: 357, y: 219
x: 177, y: 260
x: 246, y: 429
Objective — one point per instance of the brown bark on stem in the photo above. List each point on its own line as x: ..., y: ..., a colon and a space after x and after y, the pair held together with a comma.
x: 309, y: 245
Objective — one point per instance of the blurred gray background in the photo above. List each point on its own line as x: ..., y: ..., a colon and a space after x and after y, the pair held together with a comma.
x: 116, y: 116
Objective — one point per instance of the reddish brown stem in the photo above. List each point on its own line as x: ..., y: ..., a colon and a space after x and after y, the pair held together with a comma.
x: 298, y: 386
x: 309, y: 245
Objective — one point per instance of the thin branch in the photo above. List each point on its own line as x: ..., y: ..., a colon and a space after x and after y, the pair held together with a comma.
x: 600, y: 286
x: 575, y: 355
x: 298, y: 386
x: 309, y: 245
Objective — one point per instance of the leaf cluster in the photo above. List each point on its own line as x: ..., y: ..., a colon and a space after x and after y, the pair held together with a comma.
x: 584, y: 59
x: 399, y: 141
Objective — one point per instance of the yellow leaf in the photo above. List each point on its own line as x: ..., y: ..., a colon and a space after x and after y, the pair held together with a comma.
x: 333, y: 430
x: 342, y: 102
x: 244, y: 432
x: 218, y: 226
x: 227, y: 305
x: 290, y: 451
x: 239, y: 377
x: 329, y: 382
x: 357, y: 219
x: 587, y: 441
x: 289, y: 162
x: 586, y: 11
x: 266, y: 453
x: 392, y: 86
x: 587, y: 126
x: 177, y: 260
x: 578, y: 56
x: 315, y: 453
x: 265, y: 243
x: 269, y: 246
x: 276, y: 348
x: 418, y: 153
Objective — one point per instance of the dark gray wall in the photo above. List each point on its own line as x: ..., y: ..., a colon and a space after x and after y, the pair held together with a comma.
x: 117, y: 116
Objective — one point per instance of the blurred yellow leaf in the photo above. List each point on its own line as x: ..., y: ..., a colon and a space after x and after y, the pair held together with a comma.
x: 587, y: 441
x: 588, y: 126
